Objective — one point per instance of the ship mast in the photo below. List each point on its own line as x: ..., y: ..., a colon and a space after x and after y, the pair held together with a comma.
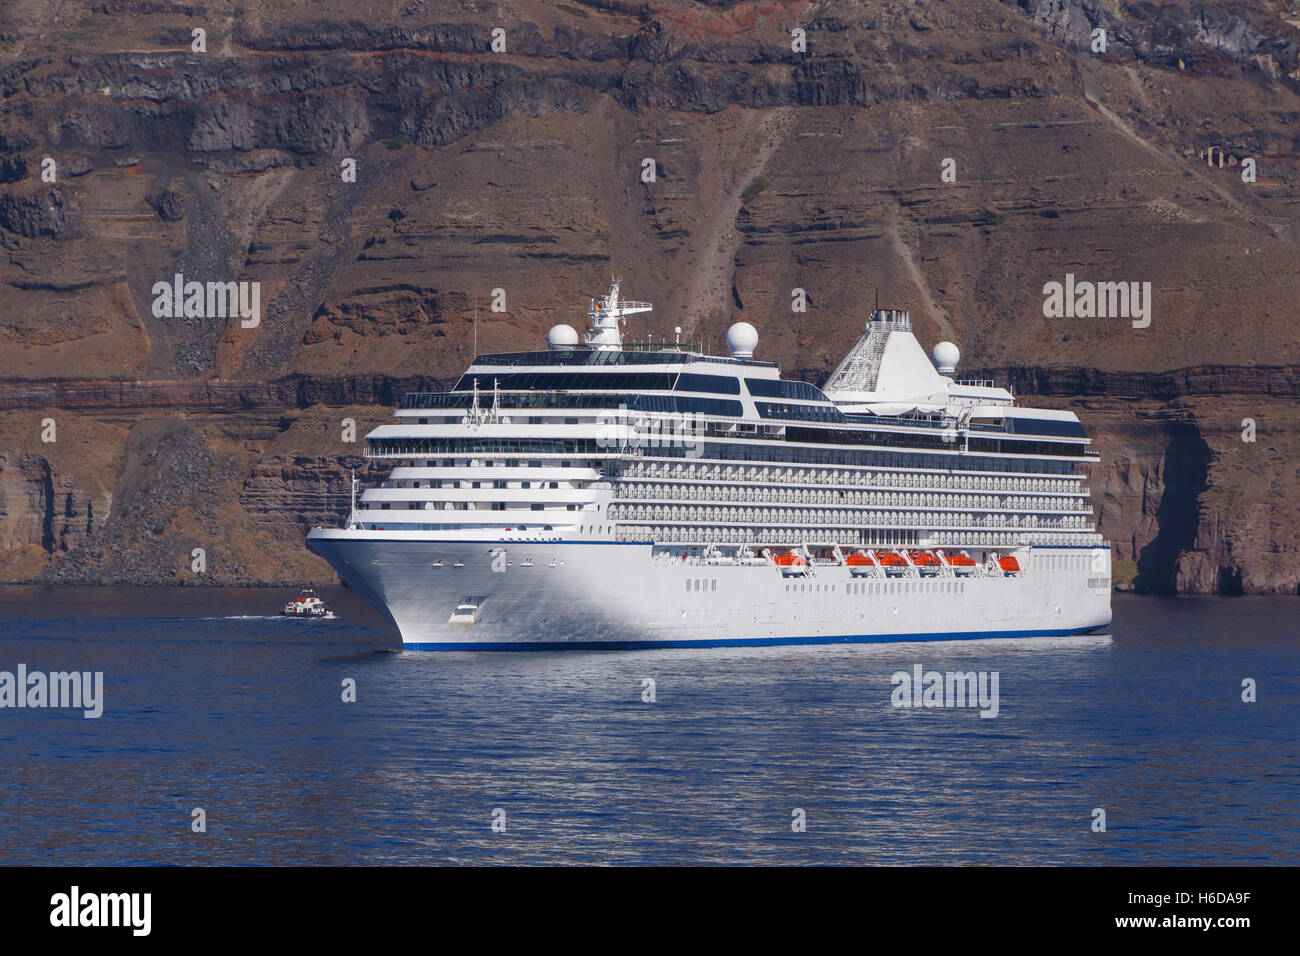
x: 603, y: 334
x: 353, y: 512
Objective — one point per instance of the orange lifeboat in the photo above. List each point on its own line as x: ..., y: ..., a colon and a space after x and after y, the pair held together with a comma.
x: 961, y: 562
x: 859, y: 564
x: 1009, y: 564
x: 925, y: 562
x: 791, y: 563
x: 893, y: 562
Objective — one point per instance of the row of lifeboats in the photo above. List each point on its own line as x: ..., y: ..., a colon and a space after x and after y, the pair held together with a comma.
x: 875, y: 563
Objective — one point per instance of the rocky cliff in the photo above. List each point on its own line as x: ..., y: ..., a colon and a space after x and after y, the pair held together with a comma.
x: 380, y: 170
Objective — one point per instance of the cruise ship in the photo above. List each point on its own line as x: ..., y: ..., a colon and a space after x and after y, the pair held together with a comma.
x: 603, y: 494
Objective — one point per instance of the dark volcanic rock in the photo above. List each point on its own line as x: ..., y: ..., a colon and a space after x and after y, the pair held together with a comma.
x: 12, y: 167
x: 38, y: 211
x: 293, y: 391
x: 168, y: 202
x: 1148, y: 30
x: 168, y: 505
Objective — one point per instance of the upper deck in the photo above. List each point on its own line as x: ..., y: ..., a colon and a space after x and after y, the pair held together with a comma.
x: 665, y: 442
x: 886, y: 392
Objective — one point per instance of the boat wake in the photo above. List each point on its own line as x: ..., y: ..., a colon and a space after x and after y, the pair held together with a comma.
x: 270, y: 617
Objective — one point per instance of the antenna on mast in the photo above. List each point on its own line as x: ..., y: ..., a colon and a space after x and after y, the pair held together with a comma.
x: 352, y: 513
x: 608, y: 316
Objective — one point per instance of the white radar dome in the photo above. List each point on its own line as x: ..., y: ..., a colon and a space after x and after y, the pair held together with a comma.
x: 742, y: 339
x: 561, y: 337
x: 945, y: 357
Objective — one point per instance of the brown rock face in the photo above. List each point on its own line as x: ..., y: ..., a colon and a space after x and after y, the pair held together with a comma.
x: 26, y: 501
x: 34, y: 213
x: 290, y: 495
x: 382, y: 170
x: 40, y: 508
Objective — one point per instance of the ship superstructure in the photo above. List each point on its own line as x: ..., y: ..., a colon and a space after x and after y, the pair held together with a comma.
x: 598, y: 493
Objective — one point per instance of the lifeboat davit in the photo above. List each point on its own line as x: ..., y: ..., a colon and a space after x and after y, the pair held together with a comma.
x: 891, y: 561
x: 924, y: 560
x: 1009, y: 564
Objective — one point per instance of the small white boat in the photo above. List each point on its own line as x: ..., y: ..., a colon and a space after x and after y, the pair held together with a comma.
x: 308, y: 604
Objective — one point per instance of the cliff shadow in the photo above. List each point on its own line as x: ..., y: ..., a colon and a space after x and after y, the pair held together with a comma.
x: 1185, y: 469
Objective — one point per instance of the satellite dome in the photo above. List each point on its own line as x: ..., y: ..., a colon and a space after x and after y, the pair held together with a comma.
x: 561, y: 337
x: 945, y: 357
x: 742, y: 339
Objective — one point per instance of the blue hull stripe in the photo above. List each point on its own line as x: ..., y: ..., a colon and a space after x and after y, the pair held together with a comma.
x: 737, y: 641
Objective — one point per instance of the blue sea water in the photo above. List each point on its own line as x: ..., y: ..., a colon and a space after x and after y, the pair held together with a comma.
x: 210, y: 703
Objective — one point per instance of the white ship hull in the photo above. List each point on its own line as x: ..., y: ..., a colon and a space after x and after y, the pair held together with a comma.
x: 548, y: 595
x: 661, y: 497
